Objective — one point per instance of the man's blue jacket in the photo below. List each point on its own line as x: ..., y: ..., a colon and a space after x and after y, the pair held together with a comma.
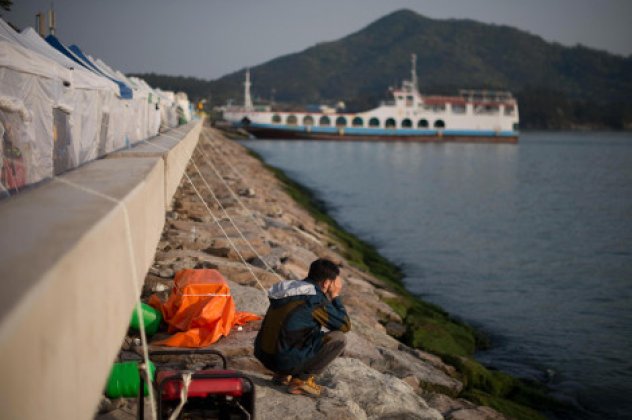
x: 291, y: 332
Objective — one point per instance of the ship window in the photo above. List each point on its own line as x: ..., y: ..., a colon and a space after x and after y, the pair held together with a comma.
x: 308, y: 120
x: 509, y: 110
x: 407, y: 123
x: 341, y: 122
x: 374, y: 122
x: 291, y: 120
x: 324, y: 121
x: 276, y: 118
x: 390, y: 123
x: 422, y: 124
x: 458, y: 109
x: 409, y: 101
x: 439, y: 124
x: 357, y: 122
x: 435, y: 107
x: 486, y: 109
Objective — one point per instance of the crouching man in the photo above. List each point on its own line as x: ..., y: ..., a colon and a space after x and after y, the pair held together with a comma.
x: 291, y: 342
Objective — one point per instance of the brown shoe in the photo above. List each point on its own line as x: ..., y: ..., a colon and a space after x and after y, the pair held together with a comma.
x: 300, y: 387
x: 281, y: 379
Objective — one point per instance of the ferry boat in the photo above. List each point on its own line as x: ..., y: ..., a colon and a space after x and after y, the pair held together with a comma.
x: 472, y: 116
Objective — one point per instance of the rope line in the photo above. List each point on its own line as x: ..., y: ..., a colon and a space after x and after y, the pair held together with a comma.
x: 216, y: 220
x: 213, y: 167
x: 208, y: 161
x: 134, y: 278
x: 184, y: 394
x: 230, y: 219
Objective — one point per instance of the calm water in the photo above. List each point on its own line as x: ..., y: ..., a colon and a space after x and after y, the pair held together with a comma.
x: 532, y: 243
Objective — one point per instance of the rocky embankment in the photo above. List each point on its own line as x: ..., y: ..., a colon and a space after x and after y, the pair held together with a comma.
x: 377, y: 377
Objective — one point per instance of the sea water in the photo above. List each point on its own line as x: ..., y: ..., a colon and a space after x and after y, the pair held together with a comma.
x: 531, y: 243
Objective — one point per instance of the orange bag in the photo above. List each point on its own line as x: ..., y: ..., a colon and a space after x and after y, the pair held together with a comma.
x: 199, y: 310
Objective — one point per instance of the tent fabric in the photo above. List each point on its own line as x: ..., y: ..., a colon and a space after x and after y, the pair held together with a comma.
x: 57, y: 112
x: 125, y: 91
x: 200, y: 309
x: 82, y: 78
x: 29, y: 39
x: 56, y: 43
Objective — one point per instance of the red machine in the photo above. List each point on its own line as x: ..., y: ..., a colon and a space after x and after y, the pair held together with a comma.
x: 210, y: 393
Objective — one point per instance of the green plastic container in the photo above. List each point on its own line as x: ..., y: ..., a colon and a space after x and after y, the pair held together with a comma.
x: 151, y: 316
x: 124, y: 380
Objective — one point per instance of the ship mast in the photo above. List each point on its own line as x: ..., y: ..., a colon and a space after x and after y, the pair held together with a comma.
x: 413, y: 71
x: 247, y: 98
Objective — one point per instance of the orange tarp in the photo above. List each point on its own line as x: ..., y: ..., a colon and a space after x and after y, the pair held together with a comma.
x: 199, y: 310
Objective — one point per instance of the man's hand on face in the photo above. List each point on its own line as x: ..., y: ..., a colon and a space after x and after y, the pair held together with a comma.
x: 334, y: 288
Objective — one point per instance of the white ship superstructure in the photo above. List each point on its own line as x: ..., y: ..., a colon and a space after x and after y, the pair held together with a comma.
x: 474, y: 115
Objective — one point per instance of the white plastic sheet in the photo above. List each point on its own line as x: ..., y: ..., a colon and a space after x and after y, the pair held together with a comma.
x: 56, y: 114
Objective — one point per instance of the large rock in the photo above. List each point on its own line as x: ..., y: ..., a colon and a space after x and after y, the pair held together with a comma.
x: 249, y: 299
x: 360, y: 348
x: 460, y: 409
x: 361, y: 389
x: 274, y: 403
x: 373, y: 333
x: 404, y: 364
x: 231, y: 270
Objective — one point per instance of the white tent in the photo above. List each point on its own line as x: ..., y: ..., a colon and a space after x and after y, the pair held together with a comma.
x: 81, y: 77
x: 56, y: 114
x: 169, y: 111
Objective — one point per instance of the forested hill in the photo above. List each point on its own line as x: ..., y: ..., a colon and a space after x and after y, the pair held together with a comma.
x: 557, y: 86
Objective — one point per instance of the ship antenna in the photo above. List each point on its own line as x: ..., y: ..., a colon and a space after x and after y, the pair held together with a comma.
x: 247, y: 98
x: 413, y: 71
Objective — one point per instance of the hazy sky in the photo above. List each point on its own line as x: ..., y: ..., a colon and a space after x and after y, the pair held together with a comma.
x: 210, y: 38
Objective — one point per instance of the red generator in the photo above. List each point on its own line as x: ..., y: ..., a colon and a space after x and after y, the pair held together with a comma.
x: 210, y: 393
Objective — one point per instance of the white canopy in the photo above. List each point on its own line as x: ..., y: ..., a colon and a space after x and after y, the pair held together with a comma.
x: 78, y: 76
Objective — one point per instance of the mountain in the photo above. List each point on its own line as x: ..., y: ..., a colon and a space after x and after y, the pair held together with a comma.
x: 557, y: 86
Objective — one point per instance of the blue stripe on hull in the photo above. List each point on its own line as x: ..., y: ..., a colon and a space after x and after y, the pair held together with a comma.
x: 362, y: 131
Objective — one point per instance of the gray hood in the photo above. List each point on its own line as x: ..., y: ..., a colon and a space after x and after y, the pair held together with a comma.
x: 289, y: 288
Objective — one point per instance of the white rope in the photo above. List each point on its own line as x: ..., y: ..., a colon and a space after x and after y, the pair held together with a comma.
x: 232, y: 192
x: 230, y: 219
x: 216, y: 220
x: 184, y: 395
x: 236, y: 172
x: 134, y: 278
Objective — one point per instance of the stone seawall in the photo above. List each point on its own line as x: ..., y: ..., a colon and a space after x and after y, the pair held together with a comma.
x: 377, y: 377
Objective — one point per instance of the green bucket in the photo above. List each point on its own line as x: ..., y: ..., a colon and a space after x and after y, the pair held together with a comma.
x: 151, y: 316
x: 124, y: 380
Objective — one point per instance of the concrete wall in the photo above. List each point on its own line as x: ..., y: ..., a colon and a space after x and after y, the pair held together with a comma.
x: 179, y: 143
x: 67, y: 274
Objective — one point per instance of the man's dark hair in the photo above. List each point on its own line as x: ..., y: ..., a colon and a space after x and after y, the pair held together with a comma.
x: 321, y: 270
